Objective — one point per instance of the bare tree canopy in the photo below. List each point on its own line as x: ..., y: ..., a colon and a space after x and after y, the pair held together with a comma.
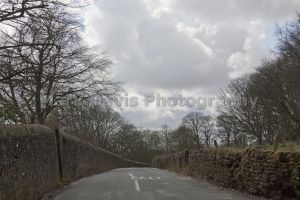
x: 60, y: 68
x: 13, y: 10
x: 276, y: 86
x: 201, y: 126
x: 15, y: 13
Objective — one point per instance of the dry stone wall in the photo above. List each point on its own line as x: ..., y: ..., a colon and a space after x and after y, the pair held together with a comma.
x: 81, y: 159
x: 274, y: 175
x: 30, y: 162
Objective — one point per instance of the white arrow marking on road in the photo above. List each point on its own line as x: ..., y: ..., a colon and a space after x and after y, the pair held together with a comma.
x: 132, y: 176
x: 137, y: 186
x: 142, y: 178
x: 136, y: 182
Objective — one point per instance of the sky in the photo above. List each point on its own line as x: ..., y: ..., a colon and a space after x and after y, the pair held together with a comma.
x: 162, y: 49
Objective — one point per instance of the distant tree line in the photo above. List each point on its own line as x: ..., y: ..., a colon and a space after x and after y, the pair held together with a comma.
x: 47, y: 67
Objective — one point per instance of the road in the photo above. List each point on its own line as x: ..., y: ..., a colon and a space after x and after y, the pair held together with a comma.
x: 144, y: 184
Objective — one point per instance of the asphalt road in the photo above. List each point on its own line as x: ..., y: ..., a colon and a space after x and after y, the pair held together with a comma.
x: 144, y: 184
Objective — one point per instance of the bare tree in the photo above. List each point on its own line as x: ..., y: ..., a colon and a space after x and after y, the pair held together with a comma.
x: 250, y: 120
x: 61, y: 68
x: 130, y: 142
x: 93, y: 121
x: 14, y: 13
x: 14, y: 10
x: 208, y: 130
x: 194, y: 122
x: 165, y: 130
x: 202, y: 127
x: 276, y: 85
x: 182, y: 138
x: 227, y: 130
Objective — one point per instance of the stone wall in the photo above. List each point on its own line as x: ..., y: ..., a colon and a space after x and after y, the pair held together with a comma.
x: 29, y: 161
x: 81, y: 159
x: 274, y: 175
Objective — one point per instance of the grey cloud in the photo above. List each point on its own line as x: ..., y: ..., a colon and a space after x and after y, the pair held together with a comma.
x: 190, y: 45
x: 173, y: 60
x: 215, y: 10
x: 145, y: 120
x: 127, y: 9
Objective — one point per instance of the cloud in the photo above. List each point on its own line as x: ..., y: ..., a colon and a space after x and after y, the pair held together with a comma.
x: 215, y: 10
x: 191, y: 46
x: 244, y: 60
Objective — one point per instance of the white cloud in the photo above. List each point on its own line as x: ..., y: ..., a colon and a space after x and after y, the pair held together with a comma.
x: 246, y: 59
x: 182, y: 46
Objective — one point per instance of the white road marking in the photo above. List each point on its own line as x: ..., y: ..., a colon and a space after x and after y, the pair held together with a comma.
x: 137, y: 186
x: 132, y: 176
x: 144, y: 178
x: 136, y: 182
